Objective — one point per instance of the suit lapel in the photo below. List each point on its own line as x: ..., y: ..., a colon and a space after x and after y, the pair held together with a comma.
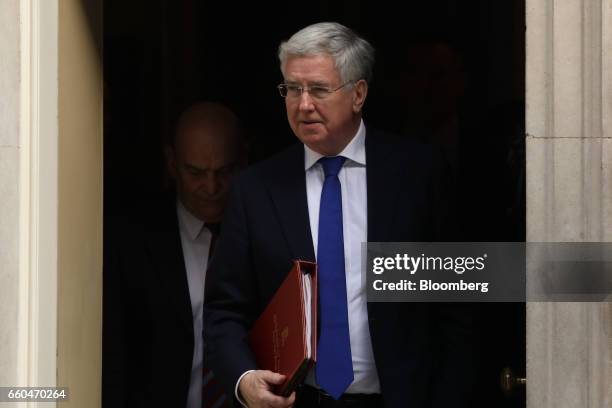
x: 288, y: 193
x: 167, y: 256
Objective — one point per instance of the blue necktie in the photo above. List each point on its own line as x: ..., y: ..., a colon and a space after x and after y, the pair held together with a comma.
x: 334, y: 369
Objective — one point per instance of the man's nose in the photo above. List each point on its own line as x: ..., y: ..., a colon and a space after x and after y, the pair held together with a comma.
x: 212, y: 184
x: 306, y: 103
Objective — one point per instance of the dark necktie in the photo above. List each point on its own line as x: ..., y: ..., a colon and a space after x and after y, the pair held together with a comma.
x: 334, y: 368
x: 214, y: 231
x: 212, y: 392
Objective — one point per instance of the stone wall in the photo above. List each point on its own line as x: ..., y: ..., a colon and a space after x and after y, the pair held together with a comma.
x: 569, y: 186
x: 9, y: 191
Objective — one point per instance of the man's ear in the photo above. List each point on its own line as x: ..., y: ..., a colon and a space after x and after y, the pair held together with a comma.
x: 360, y: 92
x: 170, y: 161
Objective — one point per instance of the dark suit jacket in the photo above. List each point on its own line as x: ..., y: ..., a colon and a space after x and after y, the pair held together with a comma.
x: 422, y: 351
x: 148, y: 327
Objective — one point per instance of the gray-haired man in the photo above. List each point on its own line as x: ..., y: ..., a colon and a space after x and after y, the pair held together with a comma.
x: 319, y: 200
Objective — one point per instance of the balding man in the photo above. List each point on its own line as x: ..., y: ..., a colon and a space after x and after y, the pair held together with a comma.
x: 157, y: 267
x: 207, y: 149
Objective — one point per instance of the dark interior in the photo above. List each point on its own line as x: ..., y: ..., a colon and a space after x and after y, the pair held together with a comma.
x: 161, y: 56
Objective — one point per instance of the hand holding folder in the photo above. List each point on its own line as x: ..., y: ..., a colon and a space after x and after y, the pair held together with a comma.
x: 283, y: 339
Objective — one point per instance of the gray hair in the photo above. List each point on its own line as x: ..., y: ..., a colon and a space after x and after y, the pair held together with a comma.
x: 354, y: 56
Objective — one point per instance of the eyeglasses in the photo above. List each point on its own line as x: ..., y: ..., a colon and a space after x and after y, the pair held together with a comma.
x: 315, y: 92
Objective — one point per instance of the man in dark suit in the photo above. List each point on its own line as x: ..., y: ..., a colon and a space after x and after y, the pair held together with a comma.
x: 155, y: 270
x: 319, y: 200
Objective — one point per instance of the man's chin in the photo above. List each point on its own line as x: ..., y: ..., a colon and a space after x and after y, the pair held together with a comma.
x: 320, y: 145
x: 207, y: 214
x: 212, y: 217
x: 312, y: 138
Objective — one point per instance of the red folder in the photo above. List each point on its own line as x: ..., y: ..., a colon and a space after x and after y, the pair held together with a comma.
x: 283, y: 338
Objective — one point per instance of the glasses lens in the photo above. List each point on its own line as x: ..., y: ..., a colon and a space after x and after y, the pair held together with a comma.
x: 318, y: 92
x: 294, y: 91
x: 282, y: 89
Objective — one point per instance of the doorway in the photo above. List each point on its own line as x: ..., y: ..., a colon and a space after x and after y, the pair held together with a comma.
x: 448, y: 72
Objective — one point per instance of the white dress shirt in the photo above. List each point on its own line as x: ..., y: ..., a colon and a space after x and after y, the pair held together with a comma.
x: 355, y: 230
x: 195, y: 240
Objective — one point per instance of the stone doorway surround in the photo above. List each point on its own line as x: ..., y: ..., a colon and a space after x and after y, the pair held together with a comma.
x: 569, y: 191
x: 51, y: 198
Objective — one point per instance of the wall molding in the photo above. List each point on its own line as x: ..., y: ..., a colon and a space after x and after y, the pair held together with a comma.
x: 37, y: 324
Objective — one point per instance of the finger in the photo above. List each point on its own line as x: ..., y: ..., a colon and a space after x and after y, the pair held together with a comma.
x: 291, y: 398
x: 278, y: 402
x: 272, y: 378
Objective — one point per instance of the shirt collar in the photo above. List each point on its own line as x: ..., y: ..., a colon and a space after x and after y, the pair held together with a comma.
x: 188, y: 222
x: 354, y: 151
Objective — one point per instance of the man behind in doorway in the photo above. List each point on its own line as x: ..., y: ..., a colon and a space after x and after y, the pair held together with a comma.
x: 156, y: 270
x: 344, y: 184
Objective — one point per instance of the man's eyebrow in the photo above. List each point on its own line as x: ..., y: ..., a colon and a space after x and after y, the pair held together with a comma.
x: 318, y: 83
x: 310, y: 83
x: 200, y: 169
x: 193, y: 167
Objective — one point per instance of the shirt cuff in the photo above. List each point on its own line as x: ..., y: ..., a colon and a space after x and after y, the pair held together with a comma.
x: 237, y: 393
